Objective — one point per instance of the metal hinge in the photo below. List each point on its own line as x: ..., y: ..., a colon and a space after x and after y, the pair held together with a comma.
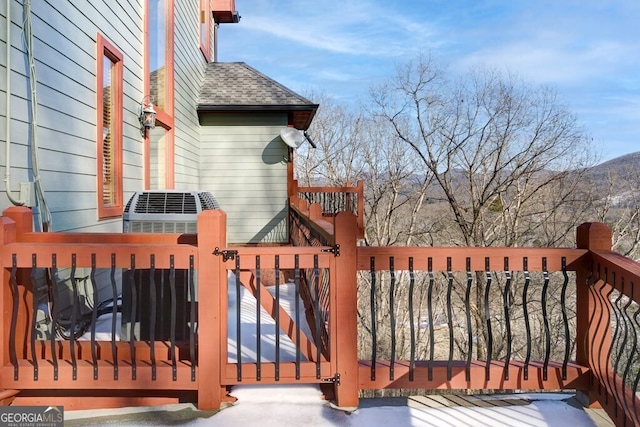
x: 335, y: 379
x: 226, y: 253
x: 335, y: 250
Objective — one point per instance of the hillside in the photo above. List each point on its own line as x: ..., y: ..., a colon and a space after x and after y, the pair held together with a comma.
x: 624, y: 167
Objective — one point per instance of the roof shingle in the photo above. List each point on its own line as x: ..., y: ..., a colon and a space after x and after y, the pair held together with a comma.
x: 235, y: 86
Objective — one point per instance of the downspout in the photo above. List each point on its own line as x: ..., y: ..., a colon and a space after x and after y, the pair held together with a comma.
x: 7, y: 128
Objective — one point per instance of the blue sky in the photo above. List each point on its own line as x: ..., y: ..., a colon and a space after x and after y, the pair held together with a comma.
x: 589, y: 50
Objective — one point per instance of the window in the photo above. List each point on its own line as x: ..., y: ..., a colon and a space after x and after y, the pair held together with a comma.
x: 159, y: 148
x: 205, y: 28
x: 109, y: 126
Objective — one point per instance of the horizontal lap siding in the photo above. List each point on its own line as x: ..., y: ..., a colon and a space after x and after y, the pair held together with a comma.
x: 64, y: 34
x: 189, y: 66
x: 243, y: 165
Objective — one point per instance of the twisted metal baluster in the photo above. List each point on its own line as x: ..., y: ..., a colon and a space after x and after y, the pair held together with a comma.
x: 547, y: 331
x: 617, y: 344
x: 34, y: 305
x: 449, y: 318
x: 392, y: 290
x: 487, y: 318
x: 54, y: 317
x: 258, y: 321
x: 372, y: 303
x: 565, y: 319
x: 505, y: 302
x: 430, y: 315
x: 153, y: 314
x: 412, y: 326
x: 114, y: 295
x: 14, y: 320
x: 525, y: 308
x: 94, y: 316
x: 467, y: 303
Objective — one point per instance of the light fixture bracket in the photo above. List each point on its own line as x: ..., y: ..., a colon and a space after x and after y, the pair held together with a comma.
x: 147, y: 115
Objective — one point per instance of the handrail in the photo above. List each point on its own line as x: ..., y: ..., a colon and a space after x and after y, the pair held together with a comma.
x: 351, y: 200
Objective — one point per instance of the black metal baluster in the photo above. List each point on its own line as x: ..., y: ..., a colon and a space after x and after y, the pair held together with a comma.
x: 258, y: 328
x: 172, y: 322
x: 372, y: 303
x: 467, y: 303
x: 604, y: 300
x: 153, y: 315
x: 487, y: 318
x: 277, y: 310
x: 634, y: 346
x: 114, y: 313
x: 34, y: 305
x: 616, y: 341
x: 525, y: 308
x: 565, y: 318
x: 54, y: 317
x: 505, y: 302
x: 297, y: 308
x: 392, y: 291
x: 430, y: 315
x: 238, y: 321
x: 74, y: 310
x: 412, y: 326
x: 192, y: 330
x: 94, y: 316
x: 14, y: 319
x: 547, y: 331
x: 449, y: 318
x: 316, y: 285
x: 636, y: 320
x: 134, y: 314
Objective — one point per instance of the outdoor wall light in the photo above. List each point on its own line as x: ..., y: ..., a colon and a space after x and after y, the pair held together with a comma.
x: 147, y: 116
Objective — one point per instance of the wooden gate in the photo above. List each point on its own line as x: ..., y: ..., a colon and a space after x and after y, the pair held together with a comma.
x: 278, y: 321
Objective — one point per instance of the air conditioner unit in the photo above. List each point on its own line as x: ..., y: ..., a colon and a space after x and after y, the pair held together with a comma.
x: 160, y: 211
x: 166, y: 211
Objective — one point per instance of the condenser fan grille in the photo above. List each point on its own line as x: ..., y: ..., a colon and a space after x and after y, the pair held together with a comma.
x: 166, y: 211
x: 166, y: 203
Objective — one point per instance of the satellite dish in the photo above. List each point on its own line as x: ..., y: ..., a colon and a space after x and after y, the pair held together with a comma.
x: 292, y: 137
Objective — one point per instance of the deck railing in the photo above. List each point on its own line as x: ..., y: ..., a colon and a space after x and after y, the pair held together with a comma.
x: 333, y: 200
x: 447, y: 318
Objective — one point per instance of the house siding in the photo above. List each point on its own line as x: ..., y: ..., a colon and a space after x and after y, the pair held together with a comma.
x: 64, y: 35
x: 189, y: 73
x: 243, y: 164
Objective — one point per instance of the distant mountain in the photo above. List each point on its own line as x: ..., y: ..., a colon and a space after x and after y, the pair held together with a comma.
x: 625, y: 167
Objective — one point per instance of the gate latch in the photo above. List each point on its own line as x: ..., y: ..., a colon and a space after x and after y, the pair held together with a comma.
x: 226, y: 253
x: 335, y: 379
x: 335, y: 250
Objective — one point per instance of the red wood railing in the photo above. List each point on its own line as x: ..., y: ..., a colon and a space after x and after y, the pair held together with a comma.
x: 333, y: 200
x: 589, y: 290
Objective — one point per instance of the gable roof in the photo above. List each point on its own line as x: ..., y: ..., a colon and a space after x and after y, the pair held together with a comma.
x: 237, y: 87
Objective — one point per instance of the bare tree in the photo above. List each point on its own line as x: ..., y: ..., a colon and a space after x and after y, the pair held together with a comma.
x: 506, y: 158
x: 497, y: 148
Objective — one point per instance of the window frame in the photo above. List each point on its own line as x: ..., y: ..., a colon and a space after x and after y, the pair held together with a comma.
x: 205, y: 19
x: 106, y: 50
x: 164, y: 117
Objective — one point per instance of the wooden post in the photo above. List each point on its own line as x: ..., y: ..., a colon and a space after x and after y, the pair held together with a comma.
x: 8, y: 236
x: 23, y: 217
x: 593, y: 339
x: 344, y: 309
x: 212, y: 308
